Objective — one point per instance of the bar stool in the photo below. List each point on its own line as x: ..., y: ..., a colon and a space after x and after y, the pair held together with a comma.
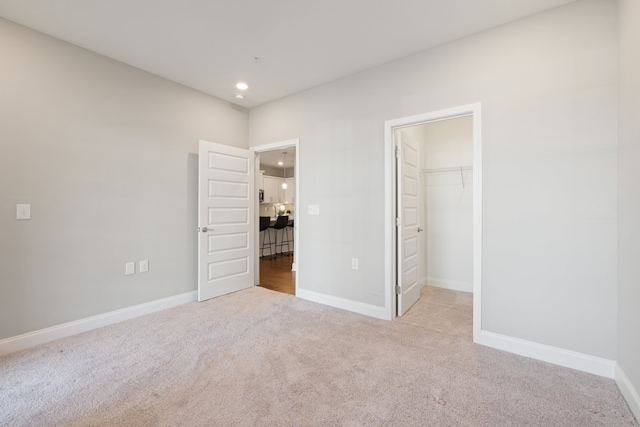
x: 280, y: 224
x: 265, y: 221
x: 290, y: 239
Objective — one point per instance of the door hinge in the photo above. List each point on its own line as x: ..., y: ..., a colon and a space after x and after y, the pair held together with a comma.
x: 398, y: 290
x: 397, y: 152
x: 397, y: 222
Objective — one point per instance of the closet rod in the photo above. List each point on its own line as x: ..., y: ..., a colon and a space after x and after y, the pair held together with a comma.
x: 452, y: 169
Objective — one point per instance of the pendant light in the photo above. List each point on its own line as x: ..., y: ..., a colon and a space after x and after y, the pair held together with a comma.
x: 284, y: 170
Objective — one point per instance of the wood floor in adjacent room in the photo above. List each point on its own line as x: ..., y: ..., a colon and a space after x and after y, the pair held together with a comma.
x: 276, y: 274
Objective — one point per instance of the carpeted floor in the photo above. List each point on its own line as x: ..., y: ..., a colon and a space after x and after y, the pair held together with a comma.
x: 261, y: 358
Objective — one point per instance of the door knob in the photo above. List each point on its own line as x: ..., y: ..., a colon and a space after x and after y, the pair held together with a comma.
x: 419, y: 229
x: 205, y: 229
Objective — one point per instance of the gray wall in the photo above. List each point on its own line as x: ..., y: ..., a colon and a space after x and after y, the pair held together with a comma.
x: 107, y: 157
x: 629, y: 194
x: 548, y: 87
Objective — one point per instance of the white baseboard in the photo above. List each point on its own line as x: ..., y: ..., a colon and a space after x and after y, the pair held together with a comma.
x: 42, y: 336
x: 345, y: 304
x: 449, y: 284
x: 558, y: 356
x: 628, y: 391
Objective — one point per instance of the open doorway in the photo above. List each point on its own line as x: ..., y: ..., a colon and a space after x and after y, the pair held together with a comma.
x: 433, y: 199
x: 276, y: 181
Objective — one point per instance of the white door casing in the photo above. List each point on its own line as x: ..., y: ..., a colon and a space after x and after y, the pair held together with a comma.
x: 408, y: 181
x: 226, y: 220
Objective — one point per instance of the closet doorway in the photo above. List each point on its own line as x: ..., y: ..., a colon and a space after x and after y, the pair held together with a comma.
x: 276, y: 181
x: 435, y: 205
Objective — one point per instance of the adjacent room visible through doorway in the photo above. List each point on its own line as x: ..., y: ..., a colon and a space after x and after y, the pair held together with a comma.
x: 276, y: 181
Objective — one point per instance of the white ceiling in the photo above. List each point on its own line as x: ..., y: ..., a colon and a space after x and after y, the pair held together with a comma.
x: 211, y: 45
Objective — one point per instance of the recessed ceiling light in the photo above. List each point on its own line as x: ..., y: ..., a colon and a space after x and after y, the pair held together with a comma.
x: 239, y: 96
x: 242, y: 86
x: 280, y: 163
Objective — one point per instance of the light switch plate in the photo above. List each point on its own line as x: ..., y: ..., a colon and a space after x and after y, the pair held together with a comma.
x: 130, y: 268
x: 314, y: 209
x: 23, y: 211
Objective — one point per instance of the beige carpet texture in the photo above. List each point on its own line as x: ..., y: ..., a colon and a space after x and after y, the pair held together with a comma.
x: 261, y: 358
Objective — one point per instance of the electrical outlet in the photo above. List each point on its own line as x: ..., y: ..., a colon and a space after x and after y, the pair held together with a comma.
x: 314, y: 209
x: 130, y: 268
x: 23, y: 211
x: 354, y: 263
x: 144, y: 266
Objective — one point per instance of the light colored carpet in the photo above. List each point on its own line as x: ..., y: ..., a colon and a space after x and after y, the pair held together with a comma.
x: 260, y: 358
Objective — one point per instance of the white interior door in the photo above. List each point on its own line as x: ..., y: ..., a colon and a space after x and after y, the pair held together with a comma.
x: 225, y: 219
x: 408, y: 175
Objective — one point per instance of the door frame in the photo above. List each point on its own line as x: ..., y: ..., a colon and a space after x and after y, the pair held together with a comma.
x: 391, y: 214
x: 296, y: 241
